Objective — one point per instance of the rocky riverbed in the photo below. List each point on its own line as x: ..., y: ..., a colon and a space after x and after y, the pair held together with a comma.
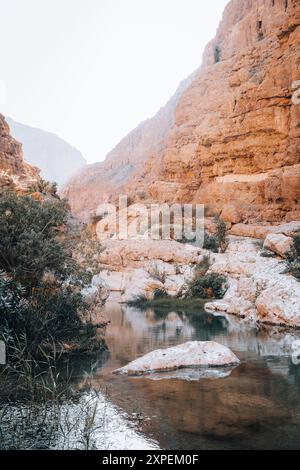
x: 258, y: 287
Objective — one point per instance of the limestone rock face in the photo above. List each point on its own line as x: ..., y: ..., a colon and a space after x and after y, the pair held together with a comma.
x: 262, y: 231
x: 279, y: 244
x: 15, y: 173
x: 259, y: 290
x: 191, y: 354
x: 279, y: 305
x: 136, y: 253
x: 125, y: 165
x: 230, y: 138
x: 140, y: 267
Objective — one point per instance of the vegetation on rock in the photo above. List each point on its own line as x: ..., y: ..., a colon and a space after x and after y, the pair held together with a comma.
x: 204, y: 285
x: 211, y: 285
x: 293, y: 263
x: 217, y: 242
x: 44, y: 187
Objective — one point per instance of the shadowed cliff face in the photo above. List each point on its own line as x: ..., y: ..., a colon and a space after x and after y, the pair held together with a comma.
x: 230, y: 138
x: 15, y: 173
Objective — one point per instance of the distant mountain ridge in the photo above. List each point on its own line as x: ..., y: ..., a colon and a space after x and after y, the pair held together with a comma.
x: 57, y: 160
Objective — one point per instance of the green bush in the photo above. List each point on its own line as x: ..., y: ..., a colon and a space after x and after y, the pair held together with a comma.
x: 210, y: 243
x: 41, y: 318
x: 293, y: 261
x: 217, y: 242
x: 264, y: 253
x: 160, y: 294
x: 44, y: 187
x: 296, y: 246
x: 29, y: 245
x: 202, y: 267
x: 212, y: 285
x: 40, y: 281
x: 294, y: 268
x: 139, y: 301
x: 221, y: 234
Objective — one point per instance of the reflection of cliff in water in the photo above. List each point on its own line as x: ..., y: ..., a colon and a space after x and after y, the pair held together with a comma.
x: 144, y: 330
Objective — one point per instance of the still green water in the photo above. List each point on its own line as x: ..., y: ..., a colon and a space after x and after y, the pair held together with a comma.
x: 254, y: 406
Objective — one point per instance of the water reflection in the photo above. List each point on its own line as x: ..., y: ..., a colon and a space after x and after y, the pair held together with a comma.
x: 253, y: 406
x: 256, y: 406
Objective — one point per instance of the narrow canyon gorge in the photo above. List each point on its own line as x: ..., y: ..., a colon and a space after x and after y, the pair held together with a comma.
x: 229, y: 139
x: 230, y: 136
x: 154, y: 342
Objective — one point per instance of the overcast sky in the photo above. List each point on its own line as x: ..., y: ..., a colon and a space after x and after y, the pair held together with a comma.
x: 91, y: 70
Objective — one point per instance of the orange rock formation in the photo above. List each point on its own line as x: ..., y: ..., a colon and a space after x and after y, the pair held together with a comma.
x: 229, y: 138
x: 15, y: 173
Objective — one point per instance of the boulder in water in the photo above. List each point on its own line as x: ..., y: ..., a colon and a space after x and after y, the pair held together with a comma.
x: 188, y: 355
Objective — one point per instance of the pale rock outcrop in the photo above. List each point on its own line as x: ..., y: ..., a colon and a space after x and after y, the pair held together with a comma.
x: 187, y: 355
x: 280, y: 304
x: 135, y: 253
x: 140, y: 267
x: 140, y: 283
x: 262, y: 231
x: 258, y: 288
x: 127, y: 285
x: 279, y: 244
x: 130, y: 283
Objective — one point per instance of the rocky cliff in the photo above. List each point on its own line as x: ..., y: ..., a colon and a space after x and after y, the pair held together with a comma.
x: 15, y: 173
x: 57, y: 159
x: 230, y: 138
x: 101, y: 182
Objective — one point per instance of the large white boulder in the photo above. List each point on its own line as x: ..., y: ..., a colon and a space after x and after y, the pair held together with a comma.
x: 279, y: 244
x: 187, y: 355
x: 140, y: 283
x: 280, y: 304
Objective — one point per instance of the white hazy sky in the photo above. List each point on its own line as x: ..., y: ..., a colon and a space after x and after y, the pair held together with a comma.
x: 91, y: 70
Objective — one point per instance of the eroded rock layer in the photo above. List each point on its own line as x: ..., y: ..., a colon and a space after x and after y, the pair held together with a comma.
x: 230, y: 138
x: 56, y: 159
x: 15, y: 173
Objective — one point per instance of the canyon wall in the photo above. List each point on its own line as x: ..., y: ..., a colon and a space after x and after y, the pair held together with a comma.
x: 102, y: 182
x: 230, y: 138
x: 15, y: 173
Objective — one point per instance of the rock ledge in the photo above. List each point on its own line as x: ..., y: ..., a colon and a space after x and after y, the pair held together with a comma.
x: 187, y: 355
